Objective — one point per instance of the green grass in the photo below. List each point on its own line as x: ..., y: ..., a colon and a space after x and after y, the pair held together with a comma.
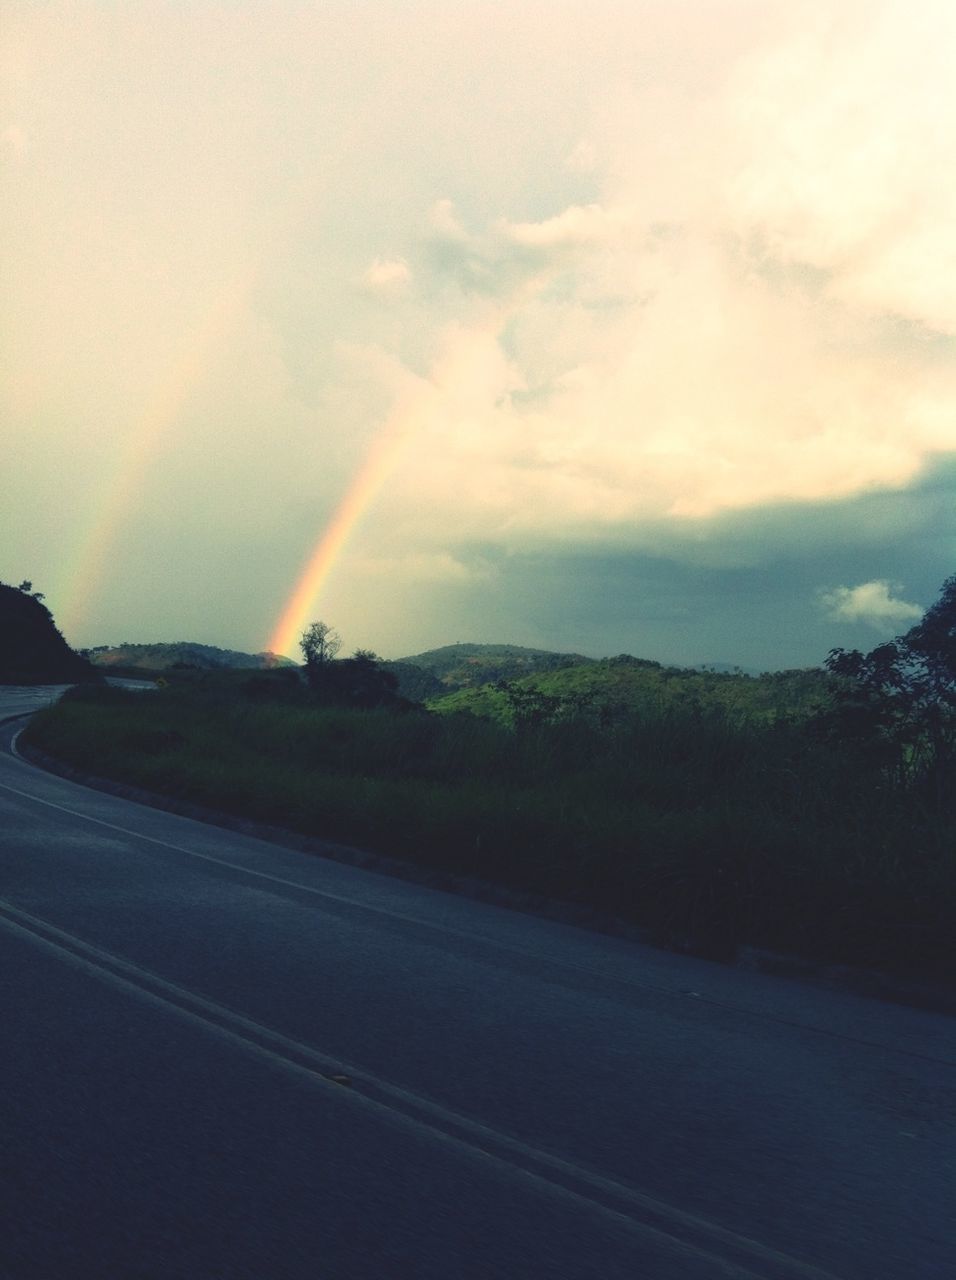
x: 708, y: 823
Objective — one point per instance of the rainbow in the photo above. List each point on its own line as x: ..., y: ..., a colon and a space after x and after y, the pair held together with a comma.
x: 87, y: 568
x: 459, y: 365
x: 361, y: 493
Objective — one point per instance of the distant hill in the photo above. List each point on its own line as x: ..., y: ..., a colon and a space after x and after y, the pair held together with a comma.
x: 32, y: 650
x: 182, y: 653
x: 468, y: 666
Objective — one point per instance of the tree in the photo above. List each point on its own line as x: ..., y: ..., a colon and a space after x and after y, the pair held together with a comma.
x: 319, y: 644
x: 933, y: 640
x: 358, y: 681
x: 363, y: 683
x: 899, y: 700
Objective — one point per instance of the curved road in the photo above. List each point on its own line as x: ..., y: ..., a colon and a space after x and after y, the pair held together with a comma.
x: 222, y: 1058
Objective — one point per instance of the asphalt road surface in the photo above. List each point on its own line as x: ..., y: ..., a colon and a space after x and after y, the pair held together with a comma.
x: 222, y: 1058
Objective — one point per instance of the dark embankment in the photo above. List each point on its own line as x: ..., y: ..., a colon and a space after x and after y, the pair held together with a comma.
x: 32, y: 650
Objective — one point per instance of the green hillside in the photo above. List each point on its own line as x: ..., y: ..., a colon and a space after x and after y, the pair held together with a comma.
x: 159, y: 657
x: 613, y: 688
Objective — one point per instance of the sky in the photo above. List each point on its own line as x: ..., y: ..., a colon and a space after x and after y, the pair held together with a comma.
x: 619, y: 327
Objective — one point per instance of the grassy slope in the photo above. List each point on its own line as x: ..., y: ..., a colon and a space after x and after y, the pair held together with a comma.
x: 703, y: 825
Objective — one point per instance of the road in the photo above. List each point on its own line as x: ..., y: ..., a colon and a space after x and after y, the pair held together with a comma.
x: 223, y: 1058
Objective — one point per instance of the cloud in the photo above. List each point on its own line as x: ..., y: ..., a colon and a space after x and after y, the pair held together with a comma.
x: 870, y: 602
x: 15, y: 142
x: 574, y: 226
x: 507, y: 254
x: 753, y: 307
x: 692, y: 296
x: 846, y: 157
x: 650, y: 370
x: 387, y: 275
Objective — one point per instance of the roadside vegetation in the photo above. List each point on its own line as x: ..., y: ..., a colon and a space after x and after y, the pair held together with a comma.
x: 805, y: 811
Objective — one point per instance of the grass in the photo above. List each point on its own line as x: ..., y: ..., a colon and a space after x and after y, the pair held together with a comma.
x: 708, y: 826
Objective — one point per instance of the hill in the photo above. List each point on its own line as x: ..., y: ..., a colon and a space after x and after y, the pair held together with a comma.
x: 32, y: 650
x: 468, y: 666
x: 182, y: 653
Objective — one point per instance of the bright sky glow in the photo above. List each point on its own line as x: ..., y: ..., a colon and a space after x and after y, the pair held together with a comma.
x: 629, y: 326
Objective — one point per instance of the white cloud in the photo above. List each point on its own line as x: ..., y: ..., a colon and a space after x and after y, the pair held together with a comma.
x: 845, y: 154
x: 445, y: 223
x: 870, y: 602
x: 387, y: 275
x: 633, y: 371
x: 740, y: 315
x: 15, y: 141
x: 576, y: 225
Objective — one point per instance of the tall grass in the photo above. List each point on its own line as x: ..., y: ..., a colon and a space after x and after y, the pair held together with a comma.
x: 707, y: 827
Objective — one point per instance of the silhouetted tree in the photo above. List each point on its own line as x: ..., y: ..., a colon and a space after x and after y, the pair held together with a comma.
x: 358, y: 681
x: 319, y: 644
x: 361, y: 682
x: 899, y: 700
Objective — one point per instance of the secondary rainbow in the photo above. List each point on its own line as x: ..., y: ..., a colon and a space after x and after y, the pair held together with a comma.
x: 83, y: 573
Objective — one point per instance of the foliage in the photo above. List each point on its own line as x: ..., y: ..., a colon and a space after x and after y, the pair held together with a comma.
x: 358, y: 681
x: 614, y: 689
x: 897, y: 703
x: 414, y: 683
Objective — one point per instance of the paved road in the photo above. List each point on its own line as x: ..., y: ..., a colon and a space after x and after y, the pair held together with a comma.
x: 21, y: 700
x: 226, y: 1059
